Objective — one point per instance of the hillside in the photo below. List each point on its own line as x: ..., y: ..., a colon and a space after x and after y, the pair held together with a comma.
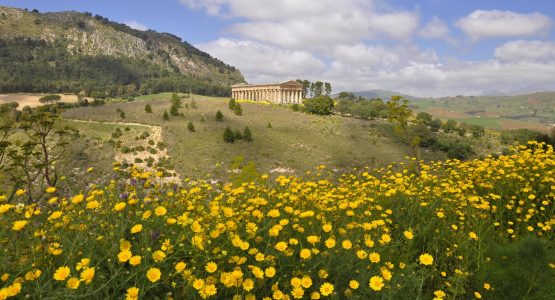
x: 74, y: 52
x: 382, y: 94
x: 533, y: 111
x: 295, y: 143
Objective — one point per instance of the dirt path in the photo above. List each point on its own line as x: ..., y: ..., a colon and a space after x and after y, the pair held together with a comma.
x: 155, y: 135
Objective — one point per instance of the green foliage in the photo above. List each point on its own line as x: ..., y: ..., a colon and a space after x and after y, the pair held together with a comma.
x: 148, y: 108
x: 249, y: 172
x: 522, y: 136
x: 228, y: 136
x: 219, y: 116
x: 231, y: 104
x: 269, y: 125
x: 247, y: 135
x: 295, y: 107
x: 238, y: 110
x: 449, y: 126
x: 518, y: 270
x: 49, y: 99
x: 191, y: 127
x: 321, y: 105
x: 435, y: 125
x: 237, y: 135
x: 455, y: 148
x: 424, y: 117
x: 362, y: 108
x: 174, y: 110
x: 401, y: 115
x: 165, y: 115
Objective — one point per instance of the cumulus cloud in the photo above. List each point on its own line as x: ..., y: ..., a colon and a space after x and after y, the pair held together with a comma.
x: 136, y: 25
x: 363, y: 44
x: 435, y: 29
x: 496, y: 23
x: 264, y: 63
x: 307, y: 23
x: 522, y: 50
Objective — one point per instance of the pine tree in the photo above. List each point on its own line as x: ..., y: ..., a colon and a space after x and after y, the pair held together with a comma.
x: 228, y: 135
x: 269, y: 125
x: 247, y: 134
x: 238, y: 110
x: 191, y: 127
x: 165, y: 116
x: 231, y: 104
x: 174, y: 110
x: 148, y: 109
x: 219, y: 116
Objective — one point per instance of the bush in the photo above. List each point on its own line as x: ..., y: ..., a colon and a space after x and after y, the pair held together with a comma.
x: 295, y: 107
x: 269, y: 125
x: 165, y: 115
x: 148, y: 109
x: 174, y: 110
x: 435, y: 125
x: 247, y: 135
x: 231, y: 104
x: 238, y: 110
x: 191, y: 127
x: 321, y: 105
x: 237, y: 134
x: 219, y: 116
x: 229, y: 137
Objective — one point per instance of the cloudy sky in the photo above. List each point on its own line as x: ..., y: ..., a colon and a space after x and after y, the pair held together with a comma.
x: 422, y: 48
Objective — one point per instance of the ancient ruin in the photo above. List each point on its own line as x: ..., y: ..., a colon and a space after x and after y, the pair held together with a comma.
x: 287, y: 92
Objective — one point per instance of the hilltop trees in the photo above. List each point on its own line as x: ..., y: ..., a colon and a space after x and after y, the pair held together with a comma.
x: 315, y: 89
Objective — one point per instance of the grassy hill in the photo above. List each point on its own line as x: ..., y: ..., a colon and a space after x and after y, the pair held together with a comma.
x: 533, y: 111
x: 74, y: 52
x: 295, y: 143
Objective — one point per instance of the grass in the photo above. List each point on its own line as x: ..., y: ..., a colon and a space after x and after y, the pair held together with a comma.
x: 295, y: 141
x: 534, y: 111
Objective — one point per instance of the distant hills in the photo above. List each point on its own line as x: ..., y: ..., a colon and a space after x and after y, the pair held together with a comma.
x: 74, y: 52
x: 382, y: 94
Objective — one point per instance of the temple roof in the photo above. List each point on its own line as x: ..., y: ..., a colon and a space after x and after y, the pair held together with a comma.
x: 283, y: 83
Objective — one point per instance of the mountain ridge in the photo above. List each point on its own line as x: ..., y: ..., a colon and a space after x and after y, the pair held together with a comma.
x: 74, y: 35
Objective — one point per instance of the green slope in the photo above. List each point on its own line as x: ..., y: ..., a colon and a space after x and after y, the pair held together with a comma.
x: 73, y: 52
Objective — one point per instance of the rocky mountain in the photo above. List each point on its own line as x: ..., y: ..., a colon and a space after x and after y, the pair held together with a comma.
x: 68, y: 51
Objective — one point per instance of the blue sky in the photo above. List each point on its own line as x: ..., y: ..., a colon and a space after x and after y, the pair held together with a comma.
x: 427, y: 47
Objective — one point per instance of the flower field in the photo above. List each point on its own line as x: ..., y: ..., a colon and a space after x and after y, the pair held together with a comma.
x: 458, y: 230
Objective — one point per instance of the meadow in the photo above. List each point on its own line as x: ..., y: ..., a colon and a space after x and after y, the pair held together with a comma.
x: 481, y: 229
x: 533, y: 111
x: 285, y: 141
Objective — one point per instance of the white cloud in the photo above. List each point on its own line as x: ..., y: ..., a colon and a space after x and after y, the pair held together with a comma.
x: 522, y: 50
x: 365, y: 44
x: 496, y: 23
x: 435, y: 29
x: 264, y: 63
x: 136, y: 25
x: 302, y: 24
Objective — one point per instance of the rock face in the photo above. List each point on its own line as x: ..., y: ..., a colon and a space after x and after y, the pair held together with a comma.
x: 84, y: 34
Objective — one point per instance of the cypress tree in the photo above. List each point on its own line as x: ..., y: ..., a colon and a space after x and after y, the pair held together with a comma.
x: 219, y: 116
x: 247, y: 134
x: 229, y: 137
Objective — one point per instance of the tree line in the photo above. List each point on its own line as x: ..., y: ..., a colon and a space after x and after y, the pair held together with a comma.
x: 315, y: 89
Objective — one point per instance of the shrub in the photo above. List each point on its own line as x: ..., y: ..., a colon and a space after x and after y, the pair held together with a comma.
x: 191, y: 127
x: 295, y: 107
x: 269, y: 125
x: 237, y: 134
x: 174, y: 110
x: 165, y: 115
x: 148, y: 109
x: 219, y: 116
x: 247, y: 135
x: 321, y: 105
x: 229, y: 137
x: 231, y: 104
x: 238, y: 110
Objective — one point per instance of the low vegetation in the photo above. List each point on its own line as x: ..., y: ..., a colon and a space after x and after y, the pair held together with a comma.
x: 477, y: 229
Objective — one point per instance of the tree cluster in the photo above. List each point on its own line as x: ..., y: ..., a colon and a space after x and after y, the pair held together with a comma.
x: 315, y: 89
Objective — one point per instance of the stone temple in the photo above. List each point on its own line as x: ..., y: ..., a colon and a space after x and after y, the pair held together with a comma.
x: 287, y: 92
